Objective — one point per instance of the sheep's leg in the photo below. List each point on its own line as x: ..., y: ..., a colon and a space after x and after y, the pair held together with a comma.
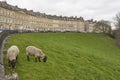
x: 39, y: 59
x: 35, y: 59
x: 28, y: 58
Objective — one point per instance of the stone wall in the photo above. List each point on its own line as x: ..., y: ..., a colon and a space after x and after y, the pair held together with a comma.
x: 3, y: 36
x: 1, y: 57
x: 1, y: 67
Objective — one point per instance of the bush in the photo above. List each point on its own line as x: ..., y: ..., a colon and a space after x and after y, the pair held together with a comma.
x: 117, y: 37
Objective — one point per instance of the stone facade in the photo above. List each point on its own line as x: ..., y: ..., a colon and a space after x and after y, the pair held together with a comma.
x: 14, y: 18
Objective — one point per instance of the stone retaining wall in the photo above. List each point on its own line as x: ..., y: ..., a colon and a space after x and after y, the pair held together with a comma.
x: 3, y: 36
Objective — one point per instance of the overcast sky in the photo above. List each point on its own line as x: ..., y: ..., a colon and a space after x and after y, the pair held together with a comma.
x: 89, y: 9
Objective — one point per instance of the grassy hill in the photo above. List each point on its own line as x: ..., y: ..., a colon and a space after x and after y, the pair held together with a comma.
x: 71, y: 56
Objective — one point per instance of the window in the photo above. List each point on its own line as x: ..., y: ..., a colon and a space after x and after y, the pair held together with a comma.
x: 4, y: 19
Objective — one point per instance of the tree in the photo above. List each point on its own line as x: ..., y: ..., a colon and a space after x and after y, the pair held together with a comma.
x: 117, y: 31
x: 102, y: 27
x: 117, y: 20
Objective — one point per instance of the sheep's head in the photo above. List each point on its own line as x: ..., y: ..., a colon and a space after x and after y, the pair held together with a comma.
x: 13, y: 62
x: 45, y: 59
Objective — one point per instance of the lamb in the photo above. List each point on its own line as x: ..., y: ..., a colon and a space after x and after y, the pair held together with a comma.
x: 12, y: 56
x: 34, y: 51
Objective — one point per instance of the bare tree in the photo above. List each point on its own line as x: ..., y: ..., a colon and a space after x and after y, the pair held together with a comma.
x: 117, y: 31
x: 117, y: 20
x: 102, y: 27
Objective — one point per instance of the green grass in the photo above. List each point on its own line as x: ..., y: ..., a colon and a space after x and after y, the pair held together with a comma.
x: 71, y: 56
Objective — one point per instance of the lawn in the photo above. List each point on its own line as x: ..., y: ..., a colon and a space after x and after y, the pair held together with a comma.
x: 71, y: 56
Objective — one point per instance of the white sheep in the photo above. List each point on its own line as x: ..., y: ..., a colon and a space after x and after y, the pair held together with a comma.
x: 34, y: 51
x: 12, y: 55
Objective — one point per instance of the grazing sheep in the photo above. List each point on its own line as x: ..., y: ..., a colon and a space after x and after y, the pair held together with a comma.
x: 34, y: 51
x: 12, y: 55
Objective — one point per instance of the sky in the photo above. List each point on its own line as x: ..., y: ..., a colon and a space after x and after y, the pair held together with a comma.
x: 88, y: 9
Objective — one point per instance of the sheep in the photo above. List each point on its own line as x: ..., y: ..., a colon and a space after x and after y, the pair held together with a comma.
x: 36, y: 52
x: 12, y: 56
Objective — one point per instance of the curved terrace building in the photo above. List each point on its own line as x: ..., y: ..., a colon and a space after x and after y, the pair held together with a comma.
x: 14, y: 18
